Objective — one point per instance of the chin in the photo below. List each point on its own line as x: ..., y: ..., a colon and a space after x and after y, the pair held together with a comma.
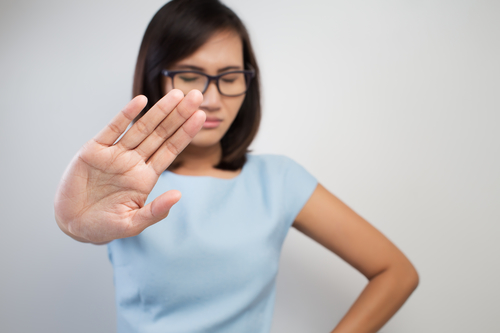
x: 207, y: 139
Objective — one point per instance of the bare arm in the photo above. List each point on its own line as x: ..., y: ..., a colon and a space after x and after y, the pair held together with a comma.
x: 392, y: 278
x: 103, y: 192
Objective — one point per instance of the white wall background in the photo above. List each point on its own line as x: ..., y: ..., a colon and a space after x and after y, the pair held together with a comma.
x: 396, y: 110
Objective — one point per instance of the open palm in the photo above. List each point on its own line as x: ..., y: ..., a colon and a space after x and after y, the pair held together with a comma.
x: 103, y: 192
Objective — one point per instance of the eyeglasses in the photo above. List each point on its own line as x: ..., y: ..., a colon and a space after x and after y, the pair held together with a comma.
x: 234, y: 83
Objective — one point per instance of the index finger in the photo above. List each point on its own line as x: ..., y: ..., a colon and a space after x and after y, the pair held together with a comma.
x: 109, y: 134
x: 147, y: 123
x: 168, y: 126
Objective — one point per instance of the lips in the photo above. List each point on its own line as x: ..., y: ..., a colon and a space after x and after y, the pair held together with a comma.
x: 212, y: 122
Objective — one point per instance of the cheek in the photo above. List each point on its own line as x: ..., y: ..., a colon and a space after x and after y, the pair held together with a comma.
x: 234, y: 105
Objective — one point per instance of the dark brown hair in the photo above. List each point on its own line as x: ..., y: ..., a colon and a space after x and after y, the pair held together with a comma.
x: 176, y: 31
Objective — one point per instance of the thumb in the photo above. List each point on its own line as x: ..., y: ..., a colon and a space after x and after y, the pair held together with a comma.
x: 155, y: 211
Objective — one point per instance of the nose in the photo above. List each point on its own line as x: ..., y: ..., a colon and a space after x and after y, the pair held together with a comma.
x: 211, y: 98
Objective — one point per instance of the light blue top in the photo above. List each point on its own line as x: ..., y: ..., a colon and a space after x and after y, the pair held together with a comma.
x: 211, y: 265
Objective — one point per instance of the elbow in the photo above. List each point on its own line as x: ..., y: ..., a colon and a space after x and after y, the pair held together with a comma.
x: 403, y: 276
x: 415, y: 278
x: 409, y: 276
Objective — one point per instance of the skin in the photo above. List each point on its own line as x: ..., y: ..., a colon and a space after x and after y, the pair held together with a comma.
x: 221, y: 53
x: 391, y: 276
x: 103, y: 192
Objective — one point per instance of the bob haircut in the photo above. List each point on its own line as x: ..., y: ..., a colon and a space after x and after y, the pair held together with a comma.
x: 176, y: 31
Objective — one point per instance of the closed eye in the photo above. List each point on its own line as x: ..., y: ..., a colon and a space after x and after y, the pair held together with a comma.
x: 189, y: 79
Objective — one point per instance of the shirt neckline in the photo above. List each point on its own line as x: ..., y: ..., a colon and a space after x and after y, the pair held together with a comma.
x: 211, y: 177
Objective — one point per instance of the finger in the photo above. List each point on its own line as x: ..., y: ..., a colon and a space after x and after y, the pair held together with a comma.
x: 185, y: 109
x: 154, y: 212
x: 169, y: 150
x: 146, y: 125
x: 109, y: 134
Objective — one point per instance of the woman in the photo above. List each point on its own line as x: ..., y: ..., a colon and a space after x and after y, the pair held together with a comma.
x: 211, y: 265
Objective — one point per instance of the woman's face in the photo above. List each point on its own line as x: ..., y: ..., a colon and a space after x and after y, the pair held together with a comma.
x: 223, y: 52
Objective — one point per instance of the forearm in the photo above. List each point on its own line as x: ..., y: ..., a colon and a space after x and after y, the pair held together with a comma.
x: 380, y: 300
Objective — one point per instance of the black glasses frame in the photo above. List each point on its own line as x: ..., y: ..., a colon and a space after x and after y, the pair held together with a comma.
x: 249, y: 75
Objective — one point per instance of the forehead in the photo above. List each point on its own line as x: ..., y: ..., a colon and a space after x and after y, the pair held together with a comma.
x: 221, y: 50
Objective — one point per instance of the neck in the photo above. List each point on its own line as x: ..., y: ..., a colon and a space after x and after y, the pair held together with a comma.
x: 199, y: 159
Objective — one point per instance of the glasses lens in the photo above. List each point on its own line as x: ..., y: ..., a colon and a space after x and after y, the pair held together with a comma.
x: 233, y: 84
x: 189, y: 81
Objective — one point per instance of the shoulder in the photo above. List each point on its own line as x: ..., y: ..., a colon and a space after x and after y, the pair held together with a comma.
x: 270, y: 161
x: 279, y: 168
x: 288, y: 184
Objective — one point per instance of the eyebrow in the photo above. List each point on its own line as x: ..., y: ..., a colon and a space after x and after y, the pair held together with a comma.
x: 201, y: 69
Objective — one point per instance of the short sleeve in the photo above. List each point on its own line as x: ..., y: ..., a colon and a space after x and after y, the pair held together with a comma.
x: 299, y: 185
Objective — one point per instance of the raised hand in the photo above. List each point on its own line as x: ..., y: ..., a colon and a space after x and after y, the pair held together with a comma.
x: 103, y: 191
